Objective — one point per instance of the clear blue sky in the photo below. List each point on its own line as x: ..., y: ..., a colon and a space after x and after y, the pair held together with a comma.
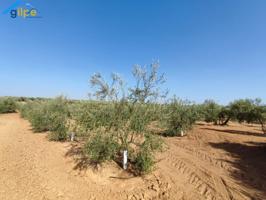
x: 208, y: 49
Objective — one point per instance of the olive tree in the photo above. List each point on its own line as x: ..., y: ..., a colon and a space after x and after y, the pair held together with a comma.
x: 180, y: 116
x: 210, y: 111
x: 126, y: 115
x: 245, y: 110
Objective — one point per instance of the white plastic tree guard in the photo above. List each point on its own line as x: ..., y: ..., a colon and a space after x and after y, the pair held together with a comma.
x: 182, y: 133
x: 72, y: 136
x: 125, y: 159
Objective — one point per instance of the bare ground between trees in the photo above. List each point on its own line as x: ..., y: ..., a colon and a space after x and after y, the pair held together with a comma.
x: 212, y: 162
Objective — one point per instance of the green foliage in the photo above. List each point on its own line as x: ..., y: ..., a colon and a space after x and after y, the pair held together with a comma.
x: 101, y: 148
x: 210, y: 111
x: 26, y: 109
x: 144, y: 161
x: 245, y: 110
x: 48, y: 115
x: 152, y: 143
x: 240, y: 109
x: 58, y: 123
x: 93, y: 115
x: 7, y: 105
x: 39, y: 119
x: 250, y: 111
x: 224, y: 115
x: 123, y: 117
x: 180, y: 116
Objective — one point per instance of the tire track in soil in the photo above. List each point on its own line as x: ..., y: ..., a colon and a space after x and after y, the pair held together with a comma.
x: 193, y: 177
x: 203, y: 156
x: 207, y: 175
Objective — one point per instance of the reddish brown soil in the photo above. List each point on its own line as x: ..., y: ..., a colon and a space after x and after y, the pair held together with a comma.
x: 212, y: 162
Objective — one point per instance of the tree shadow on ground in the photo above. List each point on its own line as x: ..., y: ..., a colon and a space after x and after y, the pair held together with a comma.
x: 35, y: 131
x: 82, y: 162
x: 250, y: 164
x: 238, y: 132
x: 169, y: 133
x: 204, y: 123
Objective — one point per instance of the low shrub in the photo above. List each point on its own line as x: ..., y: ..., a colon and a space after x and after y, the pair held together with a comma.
x: 101, y: 148
x: 7, y: 105
x: 144, y: 160
x: 49, y: 115
x: 152, y: 143
x: 25, y: 110
x: 58, y: 127
x: 57, y: 114
x: 39, y: 118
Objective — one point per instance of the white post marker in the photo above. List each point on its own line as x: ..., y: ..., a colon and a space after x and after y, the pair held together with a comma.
x: 72, y: 136
x: 182, y: 133
x: 125, y: 159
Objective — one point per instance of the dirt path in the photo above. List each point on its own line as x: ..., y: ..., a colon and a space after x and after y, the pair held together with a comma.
x: 211, y: 163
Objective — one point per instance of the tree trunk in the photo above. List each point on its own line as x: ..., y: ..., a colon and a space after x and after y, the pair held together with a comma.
x: 263, y: 128
x: 226, y: 121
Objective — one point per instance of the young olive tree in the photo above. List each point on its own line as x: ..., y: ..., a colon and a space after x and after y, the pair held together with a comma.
x: 126, y: 115
x: 180, y: 116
